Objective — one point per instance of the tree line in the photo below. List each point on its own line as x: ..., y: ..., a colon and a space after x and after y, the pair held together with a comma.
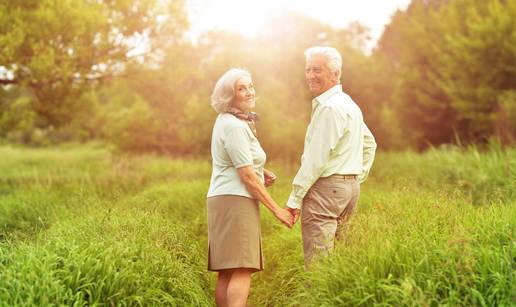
x: 124, y: 71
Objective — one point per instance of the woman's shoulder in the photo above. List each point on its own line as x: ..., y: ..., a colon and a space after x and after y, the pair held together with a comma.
x: 228, y: 124
x: 228, y: 121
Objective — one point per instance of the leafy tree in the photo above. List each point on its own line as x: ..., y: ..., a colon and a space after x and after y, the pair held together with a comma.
x: 59, y: 48
x: 17, y: 119
x: 452, y: 61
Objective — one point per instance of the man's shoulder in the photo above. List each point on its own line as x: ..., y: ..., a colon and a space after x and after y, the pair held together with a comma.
x: 340, y: 107
x: 340, y: 102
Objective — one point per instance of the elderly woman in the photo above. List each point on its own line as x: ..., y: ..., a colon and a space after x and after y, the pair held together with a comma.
x: 236, y: 188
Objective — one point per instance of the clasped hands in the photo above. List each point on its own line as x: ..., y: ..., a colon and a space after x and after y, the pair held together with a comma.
x: 287, y: 216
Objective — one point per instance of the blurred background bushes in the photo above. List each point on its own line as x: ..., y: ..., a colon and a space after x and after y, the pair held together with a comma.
x: 125, y: 72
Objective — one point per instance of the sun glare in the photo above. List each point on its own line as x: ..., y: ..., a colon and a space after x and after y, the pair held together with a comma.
x: 248, y: 17
x: 245, y: 17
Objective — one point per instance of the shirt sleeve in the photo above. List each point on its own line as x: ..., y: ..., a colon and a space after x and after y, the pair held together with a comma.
x: 369, y: 152
x: 237, y: 146
x: 327, y: 130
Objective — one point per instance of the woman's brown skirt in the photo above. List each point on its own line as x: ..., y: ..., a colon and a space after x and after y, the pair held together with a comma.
x: 234, y: 233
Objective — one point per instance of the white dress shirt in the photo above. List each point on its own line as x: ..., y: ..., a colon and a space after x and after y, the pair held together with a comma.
x: 337, y: 141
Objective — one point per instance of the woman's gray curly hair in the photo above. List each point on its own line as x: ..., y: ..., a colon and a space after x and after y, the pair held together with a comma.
x: 224, y: 90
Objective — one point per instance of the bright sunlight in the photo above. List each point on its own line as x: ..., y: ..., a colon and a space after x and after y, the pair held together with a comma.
x: 248, y: 17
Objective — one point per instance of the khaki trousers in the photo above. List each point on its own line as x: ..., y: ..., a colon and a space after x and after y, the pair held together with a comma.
x: 325, y: 214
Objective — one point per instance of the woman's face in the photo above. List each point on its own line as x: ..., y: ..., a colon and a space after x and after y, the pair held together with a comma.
x: 244, y: 94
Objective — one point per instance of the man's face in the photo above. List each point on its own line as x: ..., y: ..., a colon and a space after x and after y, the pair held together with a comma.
x: 318, y: 76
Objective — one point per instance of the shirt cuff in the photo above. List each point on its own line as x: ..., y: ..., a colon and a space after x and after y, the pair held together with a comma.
x: 293, y: 203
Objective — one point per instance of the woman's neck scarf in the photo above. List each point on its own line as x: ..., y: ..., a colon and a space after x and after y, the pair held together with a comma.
x: 251, y: 118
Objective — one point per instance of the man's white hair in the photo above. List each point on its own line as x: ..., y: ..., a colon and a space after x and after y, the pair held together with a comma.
x: 330, y: 54
x: 224, y: 90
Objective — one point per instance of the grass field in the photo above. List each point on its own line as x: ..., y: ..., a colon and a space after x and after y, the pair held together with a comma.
x: 84, y: 226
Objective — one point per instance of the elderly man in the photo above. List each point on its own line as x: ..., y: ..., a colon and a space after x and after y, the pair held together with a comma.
x: 338, y: 154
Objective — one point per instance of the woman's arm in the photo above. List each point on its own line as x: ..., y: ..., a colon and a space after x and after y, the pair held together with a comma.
x: 258, y: 191
x: 270, y: 177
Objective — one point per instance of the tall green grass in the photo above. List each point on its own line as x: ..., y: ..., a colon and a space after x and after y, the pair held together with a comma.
x: 84, y: 226
x: 111, y: 257
x: 479, y: 177
x: 420, y: 254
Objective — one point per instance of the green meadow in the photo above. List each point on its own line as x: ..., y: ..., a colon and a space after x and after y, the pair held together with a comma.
x: 90, y: 226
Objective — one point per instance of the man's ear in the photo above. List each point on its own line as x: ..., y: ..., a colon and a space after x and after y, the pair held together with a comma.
x: 336, y: 76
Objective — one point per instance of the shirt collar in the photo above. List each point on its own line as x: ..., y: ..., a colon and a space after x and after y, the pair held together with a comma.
x: 326, y: 95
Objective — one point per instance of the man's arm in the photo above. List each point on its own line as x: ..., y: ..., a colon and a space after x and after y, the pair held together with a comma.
x: 327, y: 130
x: 369, y: 152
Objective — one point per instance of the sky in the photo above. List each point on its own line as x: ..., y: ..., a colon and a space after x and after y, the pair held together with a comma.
x: 246, y: 17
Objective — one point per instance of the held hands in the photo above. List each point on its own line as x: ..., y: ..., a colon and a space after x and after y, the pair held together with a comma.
x: 284, y: 216
x: 269, y: 177
x: 294, y: 213
x: 288, y: 216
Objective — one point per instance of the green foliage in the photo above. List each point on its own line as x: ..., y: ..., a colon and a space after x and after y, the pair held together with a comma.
x: 417, y: 254
x: 109, y: 258
x: 443, y: 72
x: 454, y: 60
x: 86, y: 239
x: 58, y: 49
x: 84, y: 226
x: 126, y: 120
x: 505, y: 118
x: 480, y: 177
x: 18, y: 120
